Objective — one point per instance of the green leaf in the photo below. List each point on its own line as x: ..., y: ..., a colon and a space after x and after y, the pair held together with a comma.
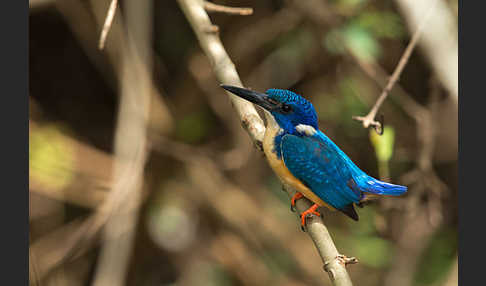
x: 383, y: 144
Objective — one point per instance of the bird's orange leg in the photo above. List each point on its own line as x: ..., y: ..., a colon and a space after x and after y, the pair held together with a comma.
x: 310, y: 211
x: 294, y: 199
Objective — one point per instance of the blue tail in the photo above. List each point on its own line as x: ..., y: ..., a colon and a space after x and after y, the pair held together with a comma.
x: 377, y: 187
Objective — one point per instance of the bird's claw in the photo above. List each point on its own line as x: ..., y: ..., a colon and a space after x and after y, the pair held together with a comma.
x: 309, y: 212
x: 296, y: 196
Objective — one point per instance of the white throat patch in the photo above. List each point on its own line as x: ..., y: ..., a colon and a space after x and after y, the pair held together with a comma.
x: 305, y: 129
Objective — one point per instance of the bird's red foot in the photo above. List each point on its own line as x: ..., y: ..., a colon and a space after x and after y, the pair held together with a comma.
x: 294, y: 199
x: 310, y: 211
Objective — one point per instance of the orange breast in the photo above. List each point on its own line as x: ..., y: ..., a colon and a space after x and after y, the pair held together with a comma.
x: 283, y: 172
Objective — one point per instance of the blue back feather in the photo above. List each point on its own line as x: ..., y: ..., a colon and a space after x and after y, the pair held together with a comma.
x: 328, y: 172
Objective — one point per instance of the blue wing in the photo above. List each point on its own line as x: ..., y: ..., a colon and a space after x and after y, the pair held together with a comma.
x: 328, y: 172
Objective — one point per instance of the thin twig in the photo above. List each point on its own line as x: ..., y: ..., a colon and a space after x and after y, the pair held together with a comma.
x: 369, y: 119
x: 439, y: 40
x: 212, y: 7
x: 226, y: 73
x: 320, y: 12
x: 107, y: 25
x: 84, y: 18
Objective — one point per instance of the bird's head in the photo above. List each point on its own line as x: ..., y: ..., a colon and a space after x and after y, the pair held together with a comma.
x: 287, y: 108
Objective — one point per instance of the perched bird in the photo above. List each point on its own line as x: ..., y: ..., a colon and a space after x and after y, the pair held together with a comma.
x: 306, y: 159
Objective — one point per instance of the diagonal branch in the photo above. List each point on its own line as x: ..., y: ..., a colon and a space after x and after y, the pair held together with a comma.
x: 320, y: 12
x: 369, y: 119
x: 439, y: 43
x: 107, y: 25
x: 225, y: 71
x: 223, y: 67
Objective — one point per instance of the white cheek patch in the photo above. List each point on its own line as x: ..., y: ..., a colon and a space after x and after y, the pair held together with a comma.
x: 305, y: 129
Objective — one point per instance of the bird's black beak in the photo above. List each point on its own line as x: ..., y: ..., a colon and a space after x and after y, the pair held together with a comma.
x: 260, y: 99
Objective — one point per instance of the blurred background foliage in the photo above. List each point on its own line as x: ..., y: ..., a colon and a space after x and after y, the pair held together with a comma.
x: 213, y: 213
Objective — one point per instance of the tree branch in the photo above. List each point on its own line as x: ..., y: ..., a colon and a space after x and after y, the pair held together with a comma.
x: 223, y: 67
x: 107, y: 25
x: 226, y: 73
x: 369, y: 119
x: 319, y: 12
x: 439, y: 43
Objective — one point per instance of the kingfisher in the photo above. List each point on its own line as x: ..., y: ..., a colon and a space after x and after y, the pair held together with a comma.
x: 309, y: 161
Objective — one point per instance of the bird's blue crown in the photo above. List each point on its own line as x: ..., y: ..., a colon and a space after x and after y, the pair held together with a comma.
x: 302, y: 110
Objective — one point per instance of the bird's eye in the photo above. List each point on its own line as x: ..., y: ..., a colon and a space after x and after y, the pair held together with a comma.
x: 272, y: 101
x: 286, y: 108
